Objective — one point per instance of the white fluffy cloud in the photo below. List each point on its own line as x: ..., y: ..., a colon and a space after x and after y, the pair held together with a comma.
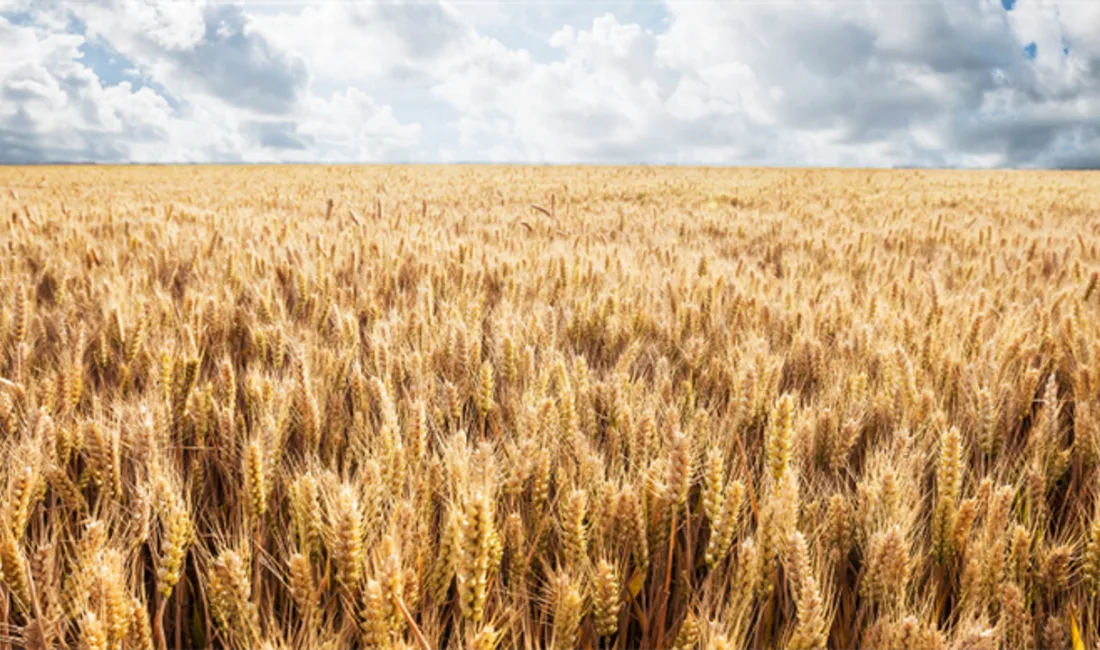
x: 213, y: 87
x: 53, y: 107
x: 879, y: 82
x: 202, y: 50
x: 351, y: 42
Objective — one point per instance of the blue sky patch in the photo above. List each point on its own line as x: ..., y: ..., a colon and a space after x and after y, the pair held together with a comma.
x: 1031, y: 50
x: 112, y: 68
x: 21, y: 18
x: 1009, y: 5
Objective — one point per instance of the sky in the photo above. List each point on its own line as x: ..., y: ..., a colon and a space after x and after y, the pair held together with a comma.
x: 866, y: 83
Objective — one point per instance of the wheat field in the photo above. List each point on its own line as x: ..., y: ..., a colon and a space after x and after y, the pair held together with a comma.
x: 525, y: 408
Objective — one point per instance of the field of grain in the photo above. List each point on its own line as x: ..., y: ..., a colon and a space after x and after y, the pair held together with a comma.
x: 523, y: 408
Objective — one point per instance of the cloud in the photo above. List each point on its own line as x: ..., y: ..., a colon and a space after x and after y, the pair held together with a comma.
x: 277, y: 135
x: 1050, y: 134
x: 603, y: 101
x: 211, y: 49
x: 54, y: 108
x: 820, y: 82
x: 364, y: 40
x: 211, y: 87
x: 349, y: 126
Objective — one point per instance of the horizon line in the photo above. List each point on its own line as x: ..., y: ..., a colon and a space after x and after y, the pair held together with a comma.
x: 472, y: 163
